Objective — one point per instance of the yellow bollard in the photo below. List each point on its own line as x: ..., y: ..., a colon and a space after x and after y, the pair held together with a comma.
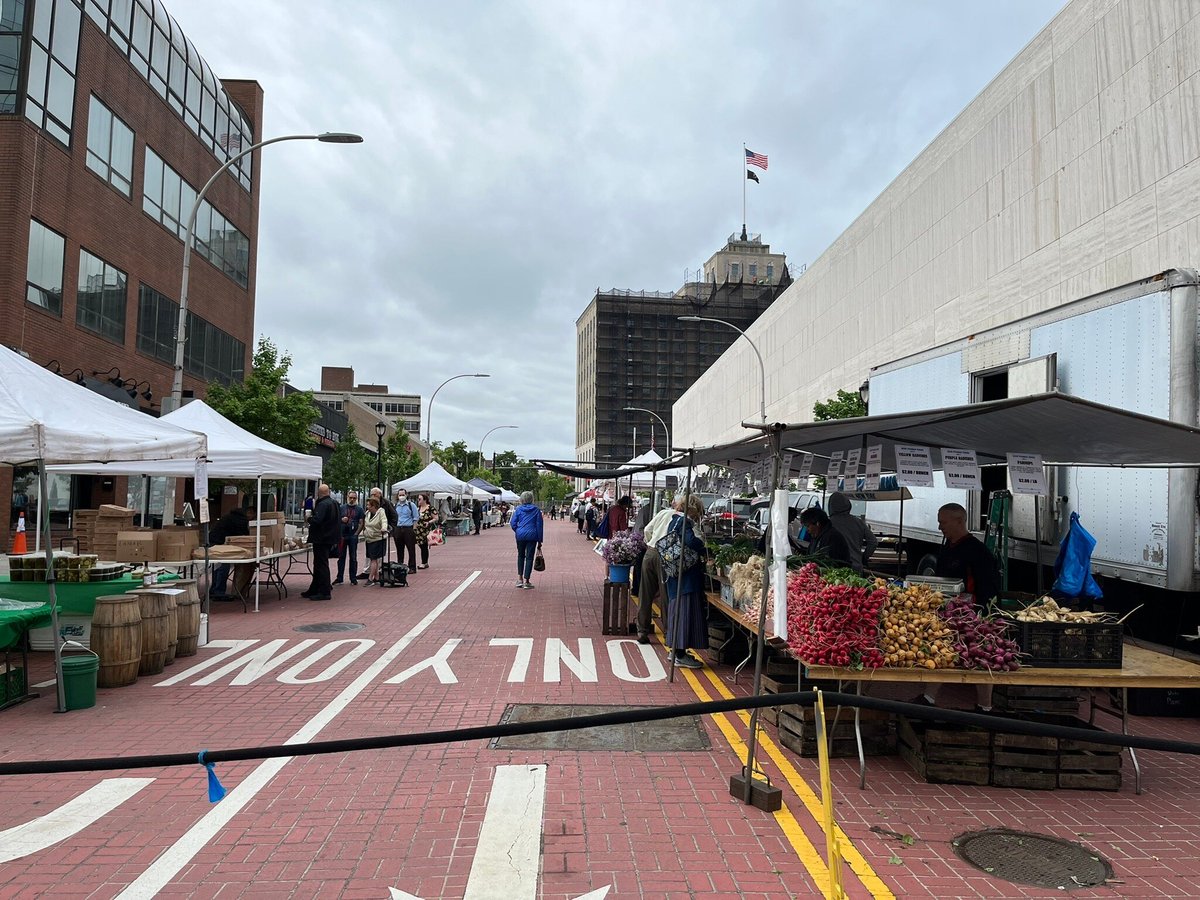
x: 832, y: 848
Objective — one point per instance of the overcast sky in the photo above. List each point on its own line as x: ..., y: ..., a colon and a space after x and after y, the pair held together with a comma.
x: 520, y: 155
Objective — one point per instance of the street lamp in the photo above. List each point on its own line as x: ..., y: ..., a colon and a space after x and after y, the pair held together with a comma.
x: 762, y: 408
x: 864, y: 394
x: 429, y: 409
x: 482, y: 464
x: 660, y: 422
x: 380, y: 431
x: 173, y: 402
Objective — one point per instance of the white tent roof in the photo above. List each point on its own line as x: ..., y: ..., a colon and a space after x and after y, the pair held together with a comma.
x: 434, y: 479
x: 233, y: 452
x: 508, y: 496
x: 45, y: 416
x: 644, y: 480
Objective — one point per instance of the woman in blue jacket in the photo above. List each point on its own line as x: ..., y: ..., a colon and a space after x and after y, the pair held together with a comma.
x: 687, y: 607
x: 527, y: 523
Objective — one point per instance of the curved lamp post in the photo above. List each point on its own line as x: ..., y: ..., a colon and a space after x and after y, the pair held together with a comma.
x: 660, y: 422
x: 176, y: 398
x: 482, y: 464
x: 762, y: 407
x: 429, y: 409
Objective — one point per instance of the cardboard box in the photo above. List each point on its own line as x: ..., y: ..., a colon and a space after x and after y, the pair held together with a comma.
x: 136, y: 546
x: 177, y: 543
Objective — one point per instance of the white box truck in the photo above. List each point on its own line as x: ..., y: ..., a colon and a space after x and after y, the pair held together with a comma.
x: 1133, y: 347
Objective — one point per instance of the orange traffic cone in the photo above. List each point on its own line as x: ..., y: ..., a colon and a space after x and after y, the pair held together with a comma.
x: 20, y: 544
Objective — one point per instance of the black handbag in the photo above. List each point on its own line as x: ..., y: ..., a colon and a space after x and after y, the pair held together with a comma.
x: 539, y: 562
x: 335, y: 550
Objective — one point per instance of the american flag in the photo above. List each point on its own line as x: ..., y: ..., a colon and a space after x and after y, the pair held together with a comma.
x: 756, y: 159
x: 231, y: 141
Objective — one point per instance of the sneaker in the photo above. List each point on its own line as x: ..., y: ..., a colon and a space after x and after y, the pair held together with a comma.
x: 686, y: 661
x: 354, y: 581
x: 520, y: 584
x: 643, y: 638
x: 337, y: 581
x: 423, y: 566
x: 528, y: 585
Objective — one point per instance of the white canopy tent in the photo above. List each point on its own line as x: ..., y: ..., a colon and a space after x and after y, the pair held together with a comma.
x: 508, y: 496
x: 233, y: 452
x: 45, y: 418
x: 433, y: 479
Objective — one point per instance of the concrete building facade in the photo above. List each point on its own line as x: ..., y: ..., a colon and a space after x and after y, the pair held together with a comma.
x: 110, y: 121
x: 632, y: 351
x: 1074, y: 171
x: 337, y: 383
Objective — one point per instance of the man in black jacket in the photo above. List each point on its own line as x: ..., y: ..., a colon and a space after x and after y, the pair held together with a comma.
x: 323, y: 530
x: 234, y: 523
x: 827, y: 541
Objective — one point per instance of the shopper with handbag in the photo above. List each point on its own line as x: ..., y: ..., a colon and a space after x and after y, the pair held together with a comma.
x: 427, y: 521
x: 375, y: 536
x: 527, y: 523
x: 682, y: 552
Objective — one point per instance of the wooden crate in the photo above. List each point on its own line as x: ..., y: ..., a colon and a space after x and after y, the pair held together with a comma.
x: 1024, y: 761
x: 946, y: 754
x: 798, y: 731
x: 1062, y: 701
x: 773, y: 686
x: 1085, y: 765
x: 616, y: 608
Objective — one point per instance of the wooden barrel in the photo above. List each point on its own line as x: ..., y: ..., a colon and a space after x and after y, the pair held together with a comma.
x: 117, y: 639
x: 158, y: 615
x: 187, y: 615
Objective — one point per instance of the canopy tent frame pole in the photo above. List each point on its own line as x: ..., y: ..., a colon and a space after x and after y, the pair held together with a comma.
x: 51, y: 588
x: 901, y: 555
x: 257, y: 538
x: 776, y: 439
x: 1037, y: 542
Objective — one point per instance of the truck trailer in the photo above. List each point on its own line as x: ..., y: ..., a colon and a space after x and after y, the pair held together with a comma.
x: 1133, y: 347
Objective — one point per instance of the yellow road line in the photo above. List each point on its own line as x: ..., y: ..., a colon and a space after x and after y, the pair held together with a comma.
x: 857, y: 862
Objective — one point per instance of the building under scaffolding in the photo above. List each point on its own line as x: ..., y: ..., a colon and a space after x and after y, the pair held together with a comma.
x: 633, y: 351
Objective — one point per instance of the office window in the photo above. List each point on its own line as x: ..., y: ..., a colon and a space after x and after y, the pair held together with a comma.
x: 44, y: 274
x: 53, y: 54
x: 770, y: 271
x: 157, y: 318
x: 101, y: 297
x: 12, y: 21
x: 753, y: 270
x: 412, y: 427
x: 212, y: 354
x: 109, y: 147
x: 735, y: 271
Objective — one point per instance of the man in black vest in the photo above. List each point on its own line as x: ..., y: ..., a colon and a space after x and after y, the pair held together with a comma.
x: 323, y: 530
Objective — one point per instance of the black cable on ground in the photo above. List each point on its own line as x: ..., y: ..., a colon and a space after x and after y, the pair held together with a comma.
x: 575, y: 723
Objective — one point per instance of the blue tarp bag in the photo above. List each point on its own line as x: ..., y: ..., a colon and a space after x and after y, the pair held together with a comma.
x: 1073, y: 568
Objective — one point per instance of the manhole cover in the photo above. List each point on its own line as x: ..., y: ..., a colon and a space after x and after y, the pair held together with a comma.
x: 686, y: 733
x: 1035, y: 859
x: 325, y: 627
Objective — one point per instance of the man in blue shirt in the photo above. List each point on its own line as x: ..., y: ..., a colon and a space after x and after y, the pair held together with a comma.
x: 407, y: 515
x: 352, y: 525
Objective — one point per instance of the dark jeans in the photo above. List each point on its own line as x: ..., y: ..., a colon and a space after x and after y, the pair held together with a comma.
x: 477, y: 523
x: 423, y: 546
x: 579, y: 522
x: 526, y: 551
x: 320, y: 586
x: 349, y: 548
x: 220, y: 578
x: 406, y: 539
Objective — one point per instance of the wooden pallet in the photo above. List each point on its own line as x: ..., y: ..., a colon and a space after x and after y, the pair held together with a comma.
x: 798, y: 731
x: 946, y: 754
x: 1063, y: 701
x: 1084, y: 765
x: 616, y: 608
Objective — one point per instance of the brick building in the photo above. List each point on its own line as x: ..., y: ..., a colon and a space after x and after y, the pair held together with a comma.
x: 110, y: 122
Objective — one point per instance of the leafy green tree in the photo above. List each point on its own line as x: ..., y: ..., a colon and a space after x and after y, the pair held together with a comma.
x: 552, y: 488
x: 259, y: 404
x: 455, y: 458
x: 349, y: 466
x: 400, y: 460
x: 845, y: 405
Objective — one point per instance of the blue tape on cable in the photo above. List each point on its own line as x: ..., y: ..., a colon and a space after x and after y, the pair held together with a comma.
x: 216, y: 790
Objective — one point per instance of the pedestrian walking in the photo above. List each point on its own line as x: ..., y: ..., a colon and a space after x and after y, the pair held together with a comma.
x: 375, y: 537
x: 426, y: 522
x: 352, y: 526
x: 527, y: 524
x: 407, y: 516
x: 580, y: 514
x: 323, y: 530
x: 687, y: 624
x: 476, y: 514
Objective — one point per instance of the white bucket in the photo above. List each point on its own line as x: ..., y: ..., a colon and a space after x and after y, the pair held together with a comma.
x: 72, y: 628
x: 203, y: 638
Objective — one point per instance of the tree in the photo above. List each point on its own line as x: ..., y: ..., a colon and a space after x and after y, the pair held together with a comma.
x: 260, y: 405
x: 844, y: 406
x: 552, y: 488
x: 400, y: 461
x: 454, y: 458
x: 350, y: 466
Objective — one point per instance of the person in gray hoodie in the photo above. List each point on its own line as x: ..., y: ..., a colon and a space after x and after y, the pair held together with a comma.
x: 858, y: 535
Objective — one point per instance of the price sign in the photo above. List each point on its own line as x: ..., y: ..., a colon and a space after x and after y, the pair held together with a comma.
x: 874, y: 467
x: 805, y: 470
x: 914, y: 468
x: 1026, y: 474
x: 852, y: 458
x: 201, y: 478
x: 203, y: 504
x: 785, y: 466
x: 961, y: 469
x: 835, y: 465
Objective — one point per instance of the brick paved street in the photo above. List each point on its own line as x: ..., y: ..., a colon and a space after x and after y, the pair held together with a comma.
x: 649, y: 824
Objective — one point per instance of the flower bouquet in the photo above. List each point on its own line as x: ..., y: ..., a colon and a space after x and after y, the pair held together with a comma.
x: 624, y: 548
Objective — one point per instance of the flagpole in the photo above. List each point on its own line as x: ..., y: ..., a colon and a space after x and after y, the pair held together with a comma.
x: 744, y: 180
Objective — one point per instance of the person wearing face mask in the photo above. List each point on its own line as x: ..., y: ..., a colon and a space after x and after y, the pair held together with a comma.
x: 407, y: 516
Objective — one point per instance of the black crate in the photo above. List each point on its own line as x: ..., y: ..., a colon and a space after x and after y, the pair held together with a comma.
x: 1069, y: 645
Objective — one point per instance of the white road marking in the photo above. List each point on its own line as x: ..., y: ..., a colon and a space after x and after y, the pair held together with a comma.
x: 69, y: 819
x: 174, y: 858
x: 51, y: 683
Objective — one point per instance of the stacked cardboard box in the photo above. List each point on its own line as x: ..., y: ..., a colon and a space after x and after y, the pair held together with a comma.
x: 137, y: 546
x: 110, y: 521
x: 176, y: 542
x: 84, y: 522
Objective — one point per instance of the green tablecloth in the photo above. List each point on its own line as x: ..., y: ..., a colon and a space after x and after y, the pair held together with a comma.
x: 73, y: 598
x: 15, y: 622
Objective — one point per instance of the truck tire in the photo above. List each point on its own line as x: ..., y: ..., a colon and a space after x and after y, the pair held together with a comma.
x: 927, y: 565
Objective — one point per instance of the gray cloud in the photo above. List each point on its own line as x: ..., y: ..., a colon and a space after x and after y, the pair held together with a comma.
x: 519, y: 155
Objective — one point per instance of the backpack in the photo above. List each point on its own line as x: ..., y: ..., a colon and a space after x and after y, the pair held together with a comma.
x: 602, y: 530
x: 672, y: 551
x: 389, y: 510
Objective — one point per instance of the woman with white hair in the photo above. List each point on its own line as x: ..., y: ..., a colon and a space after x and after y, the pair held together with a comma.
x: 687, y: 608
x: 527, y: 523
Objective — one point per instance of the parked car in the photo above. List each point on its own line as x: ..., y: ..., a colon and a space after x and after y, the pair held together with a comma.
x: 727, y: 516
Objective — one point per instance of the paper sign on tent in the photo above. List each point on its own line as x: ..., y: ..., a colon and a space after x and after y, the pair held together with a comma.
x: 914, y: 467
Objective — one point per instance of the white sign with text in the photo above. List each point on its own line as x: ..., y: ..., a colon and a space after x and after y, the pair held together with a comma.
x: 914, y: 468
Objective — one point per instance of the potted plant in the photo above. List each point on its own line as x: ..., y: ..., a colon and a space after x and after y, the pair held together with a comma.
x: 621, y: 552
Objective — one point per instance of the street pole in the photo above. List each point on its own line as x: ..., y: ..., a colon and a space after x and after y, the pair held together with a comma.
x: 429, y: 409
x: 762, y: 405
x: 482, y: 461
x: 380, y: 431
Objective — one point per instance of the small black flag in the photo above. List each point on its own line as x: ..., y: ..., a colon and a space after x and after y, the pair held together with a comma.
x: 752, y: 176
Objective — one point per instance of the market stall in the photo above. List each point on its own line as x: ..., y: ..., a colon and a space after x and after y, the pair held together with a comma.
x: 441, y: 485
x: 233, y: 453
x: 49, y: 420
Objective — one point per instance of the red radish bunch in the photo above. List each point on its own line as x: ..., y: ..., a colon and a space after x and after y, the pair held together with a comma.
x: 979, y: 641
x: 833, y: 624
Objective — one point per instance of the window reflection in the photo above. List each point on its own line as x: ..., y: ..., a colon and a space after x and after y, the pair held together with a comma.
x: 51, y: 83
x: 101, y: 297
x: 44, y: 273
